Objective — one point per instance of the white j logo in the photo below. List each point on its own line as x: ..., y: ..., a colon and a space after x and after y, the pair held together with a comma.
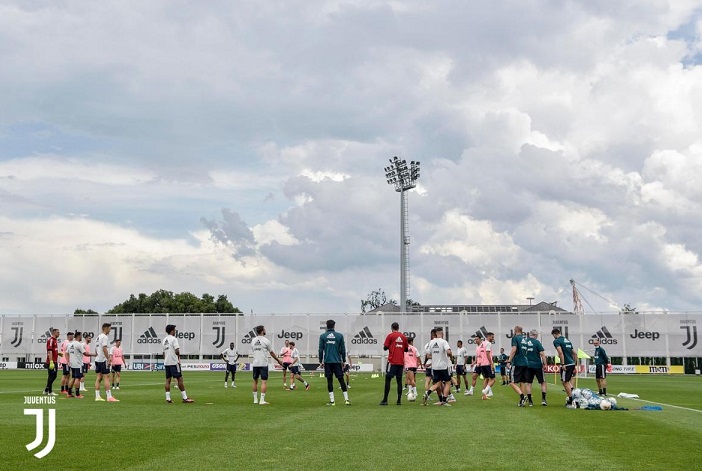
x: 40, y: 431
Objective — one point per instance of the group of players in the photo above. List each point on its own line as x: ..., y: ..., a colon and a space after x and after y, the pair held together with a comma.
x: 73, y: 357
x: 444, y: 369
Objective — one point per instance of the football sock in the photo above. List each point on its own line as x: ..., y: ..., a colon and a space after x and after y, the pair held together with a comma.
x: 529, y: 397
x: 305, y: 383
x: 604, y: 391
x: 97, y: 394
x: 346, y: 395
x: 255, y: 396
x: 185, y: 396
x: 263, y: 397
x: 521, y: 397
x: 543, y: 396
x: 108, y: 393
x: 168, y: 395
x: 331, y: 397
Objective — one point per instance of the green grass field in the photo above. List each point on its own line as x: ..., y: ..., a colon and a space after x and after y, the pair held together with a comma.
x: 224, y: 430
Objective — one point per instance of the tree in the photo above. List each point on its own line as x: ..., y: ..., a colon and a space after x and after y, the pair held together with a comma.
x: 375, y: 299
x: 163, y: 301
x: 84, y: 312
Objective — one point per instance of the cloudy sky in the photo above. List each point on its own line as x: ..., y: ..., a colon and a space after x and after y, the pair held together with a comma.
x: 238, y: 148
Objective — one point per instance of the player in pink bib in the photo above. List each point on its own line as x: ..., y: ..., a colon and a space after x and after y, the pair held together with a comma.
x: 286, y: 357
x: 117, y: 362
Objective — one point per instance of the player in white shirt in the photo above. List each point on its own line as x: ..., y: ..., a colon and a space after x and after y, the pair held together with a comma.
x: 295, y: 367
x: 102, y: 364
x: 86, y: 362
x: 347, y: 369
x: 261, y: 349
x: 461, y: 360
x: 75, y: 354
x: 427, y: 361
x: 230, y: 356
x: 440, y: 354
x: 171, y: 363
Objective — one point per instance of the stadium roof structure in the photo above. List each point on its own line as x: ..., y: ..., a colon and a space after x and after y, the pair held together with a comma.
x: 472, y: 308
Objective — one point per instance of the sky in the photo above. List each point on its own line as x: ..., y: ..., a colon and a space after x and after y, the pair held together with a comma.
x: 238, y: 148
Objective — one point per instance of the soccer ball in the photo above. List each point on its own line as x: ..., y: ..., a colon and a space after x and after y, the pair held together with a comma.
x: 594, y: 402
x: 577, y: 393
x: 612, y: 401
x: 411, y: 397
x: 605, y: 404
x: 587, y: 393
x: 582, y: 403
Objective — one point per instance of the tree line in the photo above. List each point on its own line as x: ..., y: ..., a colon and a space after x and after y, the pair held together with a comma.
x: 163, y: 301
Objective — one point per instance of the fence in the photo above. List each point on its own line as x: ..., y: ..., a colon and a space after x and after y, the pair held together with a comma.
x: 205, y: 335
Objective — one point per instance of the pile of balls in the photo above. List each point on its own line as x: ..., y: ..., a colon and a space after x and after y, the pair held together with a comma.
x: 587, y: 399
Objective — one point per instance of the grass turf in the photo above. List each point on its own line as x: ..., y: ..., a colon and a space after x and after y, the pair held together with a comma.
x: 224, y: 430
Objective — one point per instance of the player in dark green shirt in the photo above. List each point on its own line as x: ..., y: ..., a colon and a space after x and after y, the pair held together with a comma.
x: 518, y: 363
x: 502, y: 362
x: 536, y: 359
x: 332, y: 353
x: 601, y: 364
x: 564, y: 350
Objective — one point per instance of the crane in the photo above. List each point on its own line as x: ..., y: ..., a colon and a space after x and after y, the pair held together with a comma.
x: 578, y: 297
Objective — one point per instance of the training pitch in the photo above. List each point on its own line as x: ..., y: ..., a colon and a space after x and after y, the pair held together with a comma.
x: 223, y: 429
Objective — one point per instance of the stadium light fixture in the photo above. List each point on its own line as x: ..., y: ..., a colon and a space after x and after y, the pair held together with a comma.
x: 403, y: 177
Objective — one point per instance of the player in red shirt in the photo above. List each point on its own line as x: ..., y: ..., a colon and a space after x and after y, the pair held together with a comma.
x: 52, y: 354
x: 396, y: 345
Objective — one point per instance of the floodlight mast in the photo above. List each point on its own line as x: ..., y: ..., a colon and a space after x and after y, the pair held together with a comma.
x: 403, y: 178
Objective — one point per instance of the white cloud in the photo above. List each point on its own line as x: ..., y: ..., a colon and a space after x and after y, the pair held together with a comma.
x: 539, y: 162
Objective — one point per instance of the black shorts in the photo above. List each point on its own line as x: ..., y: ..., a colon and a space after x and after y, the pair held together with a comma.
x: 413, y: 370
x: 537, y: 373
x: 486, y: 371
x: 101, y: 368
x: 66, y: 369
x: 286, y: 366
x: 567, y: 373
x: 116, y: 368
x: 440, y: 375
x: 503, y: 370
x: 461, y: 370
x: 394, y: 371
x: 260, y: 372
x: 76, y: 373
x: 347, y: 367
x: 295, y: 370
x: 428, y: 372
x: 86, y: 367
x: 231, y: 368
x: 600, y: 371
x: 173, y: 371
x: 333, y: 369
x: 518, y: 374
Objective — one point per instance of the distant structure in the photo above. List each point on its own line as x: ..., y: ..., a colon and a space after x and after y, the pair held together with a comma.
x: 472, y: 308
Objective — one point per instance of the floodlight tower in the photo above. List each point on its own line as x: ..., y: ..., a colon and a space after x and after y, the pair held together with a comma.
x: 403, y: 178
